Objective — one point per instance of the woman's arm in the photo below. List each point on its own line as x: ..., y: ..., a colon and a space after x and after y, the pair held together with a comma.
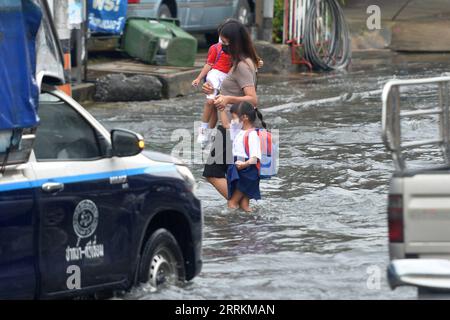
x: 249, y: 96
x: 207, y: 88
x: 224, y: 118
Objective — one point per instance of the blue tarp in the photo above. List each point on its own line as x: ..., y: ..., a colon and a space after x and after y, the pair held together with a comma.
x: 107, y: 16
x: 19, y: 93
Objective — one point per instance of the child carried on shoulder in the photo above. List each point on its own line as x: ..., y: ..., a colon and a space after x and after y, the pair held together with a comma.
x: 218, y: 64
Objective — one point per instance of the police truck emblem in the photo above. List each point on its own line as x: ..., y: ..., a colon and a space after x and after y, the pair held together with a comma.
x: 85, y: 219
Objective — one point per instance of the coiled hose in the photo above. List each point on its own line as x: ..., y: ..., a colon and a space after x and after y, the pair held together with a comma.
x: 326, y: 38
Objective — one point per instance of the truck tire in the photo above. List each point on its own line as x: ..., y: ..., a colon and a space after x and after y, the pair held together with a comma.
x: 243, y: 13
x: 164, y: 11
x: 162, y: 260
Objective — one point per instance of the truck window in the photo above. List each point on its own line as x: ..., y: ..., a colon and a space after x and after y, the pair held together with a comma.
x: 63, y: 134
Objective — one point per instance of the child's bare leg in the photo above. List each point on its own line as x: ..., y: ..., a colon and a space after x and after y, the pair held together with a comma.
x: 235, y: 199
x: 244, y: 204
x: 213, y: 119
x: 204, y: 133
x: 208, y: 110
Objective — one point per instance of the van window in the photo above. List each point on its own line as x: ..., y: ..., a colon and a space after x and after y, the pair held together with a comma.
x: 63, y: 134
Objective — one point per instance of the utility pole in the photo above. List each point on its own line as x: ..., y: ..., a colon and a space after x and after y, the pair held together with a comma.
x: 259, y: 17
x: 61, y: 20
x: 264, y: 10
x: 78, y: 26
x: 268, y: 20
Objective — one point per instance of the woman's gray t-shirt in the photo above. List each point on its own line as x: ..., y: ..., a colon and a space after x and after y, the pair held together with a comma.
x: 239, y: 77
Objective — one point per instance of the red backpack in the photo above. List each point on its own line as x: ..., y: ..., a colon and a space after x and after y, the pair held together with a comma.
x: 267, y: 166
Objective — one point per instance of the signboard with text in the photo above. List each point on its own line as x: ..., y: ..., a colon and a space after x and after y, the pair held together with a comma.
x: 107, y: 16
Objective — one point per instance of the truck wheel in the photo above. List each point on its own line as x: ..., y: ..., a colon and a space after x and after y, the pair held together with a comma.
x: 164, y: 12
x: 162, y: 261
x: 243, y: 13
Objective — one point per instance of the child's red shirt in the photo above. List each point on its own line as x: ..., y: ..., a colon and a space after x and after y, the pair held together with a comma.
x: 218, y: 59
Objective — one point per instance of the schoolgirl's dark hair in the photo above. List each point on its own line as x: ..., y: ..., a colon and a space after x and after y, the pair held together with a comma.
x: 251, y: 112
x: 235, y: 109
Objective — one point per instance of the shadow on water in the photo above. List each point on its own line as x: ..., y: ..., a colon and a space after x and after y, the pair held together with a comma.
x: 321, y: 226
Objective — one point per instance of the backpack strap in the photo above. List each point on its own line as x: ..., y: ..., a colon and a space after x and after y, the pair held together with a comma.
x: 218, y: 53
x: 266, y: 141
x: 247, y: 146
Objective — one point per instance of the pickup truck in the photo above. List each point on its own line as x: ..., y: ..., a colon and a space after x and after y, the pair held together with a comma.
x: 419, y: 193
x: 84, y: 210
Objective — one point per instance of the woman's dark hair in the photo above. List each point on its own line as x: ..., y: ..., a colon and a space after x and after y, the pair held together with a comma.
x: 251, y: 112
x: 219, y: 29
x: 241, y: 45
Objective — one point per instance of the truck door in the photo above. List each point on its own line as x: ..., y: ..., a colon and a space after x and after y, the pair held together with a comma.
x: 84, y: 204
x: 17, y: 243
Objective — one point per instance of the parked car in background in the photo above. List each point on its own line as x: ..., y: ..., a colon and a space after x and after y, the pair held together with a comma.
x: 196, y: 16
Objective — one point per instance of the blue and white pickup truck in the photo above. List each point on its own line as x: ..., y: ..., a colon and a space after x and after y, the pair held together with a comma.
x: 84, y: 210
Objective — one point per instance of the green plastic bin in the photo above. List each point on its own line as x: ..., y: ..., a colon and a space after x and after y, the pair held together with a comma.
x: 140, y: 40
x: 159, y: 41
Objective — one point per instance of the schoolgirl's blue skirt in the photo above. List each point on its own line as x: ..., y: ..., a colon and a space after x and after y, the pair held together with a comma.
x: 245, y: 180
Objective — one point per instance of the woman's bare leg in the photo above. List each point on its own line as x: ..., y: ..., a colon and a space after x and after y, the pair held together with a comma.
x: 245, y: 204
x: 236, y: 198
x: 220, y: 184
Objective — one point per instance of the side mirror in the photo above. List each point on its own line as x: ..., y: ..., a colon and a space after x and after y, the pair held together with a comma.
x: 126, y: 143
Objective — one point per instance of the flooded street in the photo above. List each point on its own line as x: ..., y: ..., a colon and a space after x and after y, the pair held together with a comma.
x: 320, y: 230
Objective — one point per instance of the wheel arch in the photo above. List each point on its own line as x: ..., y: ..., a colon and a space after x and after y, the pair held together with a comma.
x: 251, y: 5
x: 179, y: 225
x: 172, y: 4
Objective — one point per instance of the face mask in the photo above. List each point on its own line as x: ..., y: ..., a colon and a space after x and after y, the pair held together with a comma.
x: 226, y: 48
x: 236, y: 124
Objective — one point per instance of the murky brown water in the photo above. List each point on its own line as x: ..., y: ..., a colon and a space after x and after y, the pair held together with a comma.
x: 321, y: 226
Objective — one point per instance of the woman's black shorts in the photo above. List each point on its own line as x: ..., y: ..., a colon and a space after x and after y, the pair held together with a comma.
x: 216, y: 166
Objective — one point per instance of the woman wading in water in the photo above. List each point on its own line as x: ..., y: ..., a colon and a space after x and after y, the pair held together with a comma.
x: 239, y: 86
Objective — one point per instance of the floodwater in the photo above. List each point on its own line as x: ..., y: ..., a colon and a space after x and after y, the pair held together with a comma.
x: 320, y: 231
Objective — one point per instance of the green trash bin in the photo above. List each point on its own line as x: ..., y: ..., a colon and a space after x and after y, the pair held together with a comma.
x: 159, y: 41
x: 140, y: 40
